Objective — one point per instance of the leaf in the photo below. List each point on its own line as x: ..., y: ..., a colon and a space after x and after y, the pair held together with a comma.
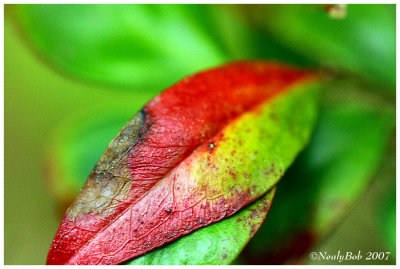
x: 74, y: 152
x: 387, y: 223
x: 110, y: 44
x: 218, y: 243
x: 244, y: 41
x: 145, y: 46
x: 365, y: 37
x: 336, y: 167
x: 197, y: 153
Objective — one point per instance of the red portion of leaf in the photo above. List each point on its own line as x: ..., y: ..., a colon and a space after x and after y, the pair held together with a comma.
x: 187, y: 114
x: 148, y: 224
x: 174, y: 124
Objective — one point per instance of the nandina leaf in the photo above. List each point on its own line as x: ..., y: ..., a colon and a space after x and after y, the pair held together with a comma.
x: 71, y: 157
x: 197, y: 153
x: 219, y: 243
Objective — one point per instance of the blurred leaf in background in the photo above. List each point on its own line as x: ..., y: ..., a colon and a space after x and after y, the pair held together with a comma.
x: 386, y: 215
x: 141, y: 47
x: 363, y: 42
x: 146, y: 46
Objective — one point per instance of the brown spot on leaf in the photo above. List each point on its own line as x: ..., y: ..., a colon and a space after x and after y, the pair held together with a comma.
x: 230, y: 172
x: 110, y: 179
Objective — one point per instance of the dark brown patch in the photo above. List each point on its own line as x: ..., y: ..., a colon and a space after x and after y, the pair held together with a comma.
x: 233, y: 174
x: 110, y: 179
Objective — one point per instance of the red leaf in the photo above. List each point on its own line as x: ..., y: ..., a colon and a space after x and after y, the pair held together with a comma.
x: 115, y: 200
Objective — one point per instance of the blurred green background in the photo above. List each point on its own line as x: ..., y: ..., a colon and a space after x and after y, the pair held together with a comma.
x: 75, y: 74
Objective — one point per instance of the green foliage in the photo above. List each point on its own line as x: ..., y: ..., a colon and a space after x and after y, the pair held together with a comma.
x: 150, y: 46
x: 142, y: 47
x: 387, y: 218
x: 364, y: 42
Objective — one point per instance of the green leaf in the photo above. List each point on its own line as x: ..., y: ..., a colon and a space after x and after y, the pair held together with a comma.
x: 225, y: 239
x: 387, y: 217
x: 242, y: 40
x: 146, y: 46
x: 326, y: 179
x: 364, y: 42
